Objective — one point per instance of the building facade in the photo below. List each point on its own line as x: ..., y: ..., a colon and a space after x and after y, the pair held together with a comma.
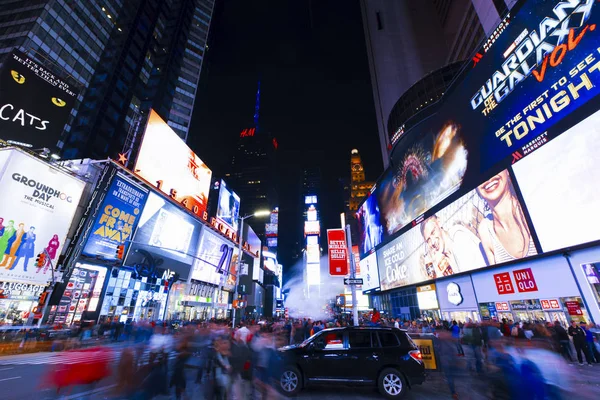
x: 408, y: 40
x: 431, y: 234
x: 125, y: 57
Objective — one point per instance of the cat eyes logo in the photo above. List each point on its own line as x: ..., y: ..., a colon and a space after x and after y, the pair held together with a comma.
x: 58, y: 102
x: 20, y: 79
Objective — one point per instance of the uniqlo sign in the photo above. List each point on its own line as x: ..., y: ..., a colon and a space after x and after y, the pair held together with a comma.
x: 504, y: 283
x: 338, y: 252
x: 525, y: 280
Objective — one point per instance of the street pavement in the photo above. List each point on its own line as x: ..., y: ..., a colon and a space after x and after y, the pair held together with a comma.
x: 21, y: 377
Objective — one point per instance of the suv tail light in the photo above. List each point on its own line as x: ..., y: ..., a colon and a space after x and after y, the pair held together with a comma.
x: 416, y: 355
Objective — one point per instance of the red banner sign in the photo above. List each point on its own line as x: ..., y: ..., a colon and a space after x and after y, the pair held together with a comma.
x: 338, y: 252
x: 550, y: 304
x: 573, y: 308
x: 504, y: 283
x: 525, y: 280
x: 502, y: 306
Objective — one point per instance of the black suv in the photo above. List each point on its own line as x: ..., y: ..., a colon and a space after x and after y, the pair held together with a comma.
x: 385, y: 357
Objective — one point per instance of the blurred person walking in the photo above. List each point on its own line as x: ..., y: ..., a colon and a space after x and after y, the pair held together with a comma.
x: 220, y: 371
x: 457, y: 339
x: 589, y: 341
x: 241, y: 363
x: 562, y: 337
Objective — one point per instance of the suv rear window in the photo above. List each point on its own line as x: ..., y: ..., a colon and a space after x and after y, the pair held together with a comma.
x: 388, y: 339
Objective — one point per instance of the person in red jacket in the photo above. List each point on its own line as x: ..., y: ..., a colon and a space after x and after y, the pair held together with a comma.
x: 376, y: 317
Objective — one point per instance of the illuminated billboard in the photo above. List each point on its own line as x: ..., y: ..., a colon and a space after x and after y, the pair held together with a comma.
x: 228, y: 209
x: 271, y: 242
x: 37, y: 206
x: 117, y: 220
x: 311, y: 213
x: 312, y: 228
x: 313, y: 274
x: 211, y: 250
x: 468, y: 234
x: 313, y: 253
x: 564, y: 175
x: 34, y: 102
x: 271, y: 230
x: 369, y: 272
x: 533, y: 82
x: 166, y: 233
x: 166, y: 162
x: 310, y: 199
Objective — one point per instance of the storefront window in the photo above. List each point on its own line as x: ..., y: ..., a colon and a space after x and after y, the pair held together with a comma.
x: 81, y: 294
x: 133, y: 299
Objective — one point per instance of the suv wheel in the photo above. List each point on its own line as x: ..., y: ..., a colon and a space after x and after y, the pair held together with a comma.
x: 290, y: 381
x: 392, y: 384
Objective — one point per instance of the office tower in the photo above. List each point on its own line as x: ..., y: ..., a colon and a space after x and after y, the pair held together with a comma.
x: 252, y: 173
x: 125, y: 57
x: 358, y: 190
x: 311, y: 191
x: 416, y: 49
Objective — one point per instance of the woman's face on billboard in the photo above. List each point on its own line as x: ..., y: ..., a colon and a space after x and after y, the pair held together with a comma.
x: 493, y: 188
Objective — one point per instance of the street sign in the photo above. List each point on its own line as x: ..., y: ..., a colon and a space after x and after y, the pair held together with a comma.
x: 355, y: 281
x: 340, y: 301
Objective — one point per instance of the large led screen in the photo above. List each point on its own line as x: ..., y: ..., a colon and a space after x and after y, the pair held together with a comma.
x: 541, y: 68
x: 37, y: 206
x: 369, y: 272
x: 369, y: 225
x: 168, y: 233
x: 34, y: 102
x: 564, y: 175
x: 212, y: 249
x: 167, y: 162
x: 228, y: 209
x: 485, y: 227
x: 430, y: 170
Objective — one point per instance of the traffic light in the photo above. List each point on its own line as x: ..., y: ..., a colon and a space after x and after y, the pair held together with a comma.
x: 120, y: 251
x: 40, y: 261
x: 42, y: 299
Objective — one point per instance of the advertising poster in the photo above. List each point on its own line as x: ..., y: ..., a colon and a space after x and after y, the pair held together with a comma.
x: 228, y: 209
x: 254, y: 243
x: 369, y: 272
x: 429, y: 171
x: 36, y: 211
x: 313, y: 274
x: 164, y: 160
x: 559, y: 176
x: 212, y: 249
x: 271, y: 230
x: 313, y: 253
x: 338, y: 252
x: 34, y: 103
x: 466, y: 235
x: 539, y: 77
x: 117, y: 218
x: 369, y: 225
x: 167, y: 236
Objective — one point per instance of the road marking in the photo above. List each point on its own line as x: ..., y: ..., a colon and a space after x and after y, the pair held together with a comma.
x: 78, y: 395
x: 6, y: 369
x: 9, y: 379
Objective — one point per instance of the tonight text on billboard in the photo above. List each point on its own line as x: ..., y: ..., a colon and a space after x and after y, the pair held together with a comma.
x: 548, y: 45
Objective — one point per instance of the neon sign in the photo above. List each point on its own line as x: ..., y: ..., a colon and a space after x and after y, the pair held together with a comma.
x: 248, y: 132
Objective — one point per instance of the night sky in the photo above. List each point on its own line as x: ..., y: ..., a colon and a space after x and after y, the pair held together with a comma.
x: 316, y: 96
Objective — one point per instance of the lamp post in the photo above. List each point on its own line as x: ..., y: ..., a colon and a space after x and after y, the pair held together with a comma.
x: 262, y: 213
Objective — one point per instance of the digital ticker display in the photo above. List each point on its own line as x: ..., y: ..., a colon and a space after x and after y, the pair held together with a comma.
x: 539, y: 78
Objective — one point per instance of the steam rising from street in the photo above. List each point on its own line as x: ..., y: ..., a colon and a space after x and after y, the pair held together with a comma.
x: 311, y: 302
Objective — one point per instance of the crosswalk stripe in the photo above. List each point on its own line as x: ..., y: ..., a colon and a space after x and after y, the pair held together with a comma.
x: 68, y: 358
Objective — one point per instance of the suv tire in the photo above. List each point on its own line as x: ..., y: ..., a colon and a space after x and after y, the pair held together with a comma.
x: 391, y: 384
x: 290, y: 381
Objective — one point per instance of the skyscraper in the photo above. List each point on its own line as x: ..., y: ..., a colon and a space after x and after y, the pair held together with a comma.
x: 409, y: 41
x: 126, y: 57
x: 252, y: 171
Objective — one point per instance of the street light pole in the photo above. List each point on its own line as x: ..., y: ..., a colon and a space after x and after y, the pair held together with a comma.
x: 238, y: 272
